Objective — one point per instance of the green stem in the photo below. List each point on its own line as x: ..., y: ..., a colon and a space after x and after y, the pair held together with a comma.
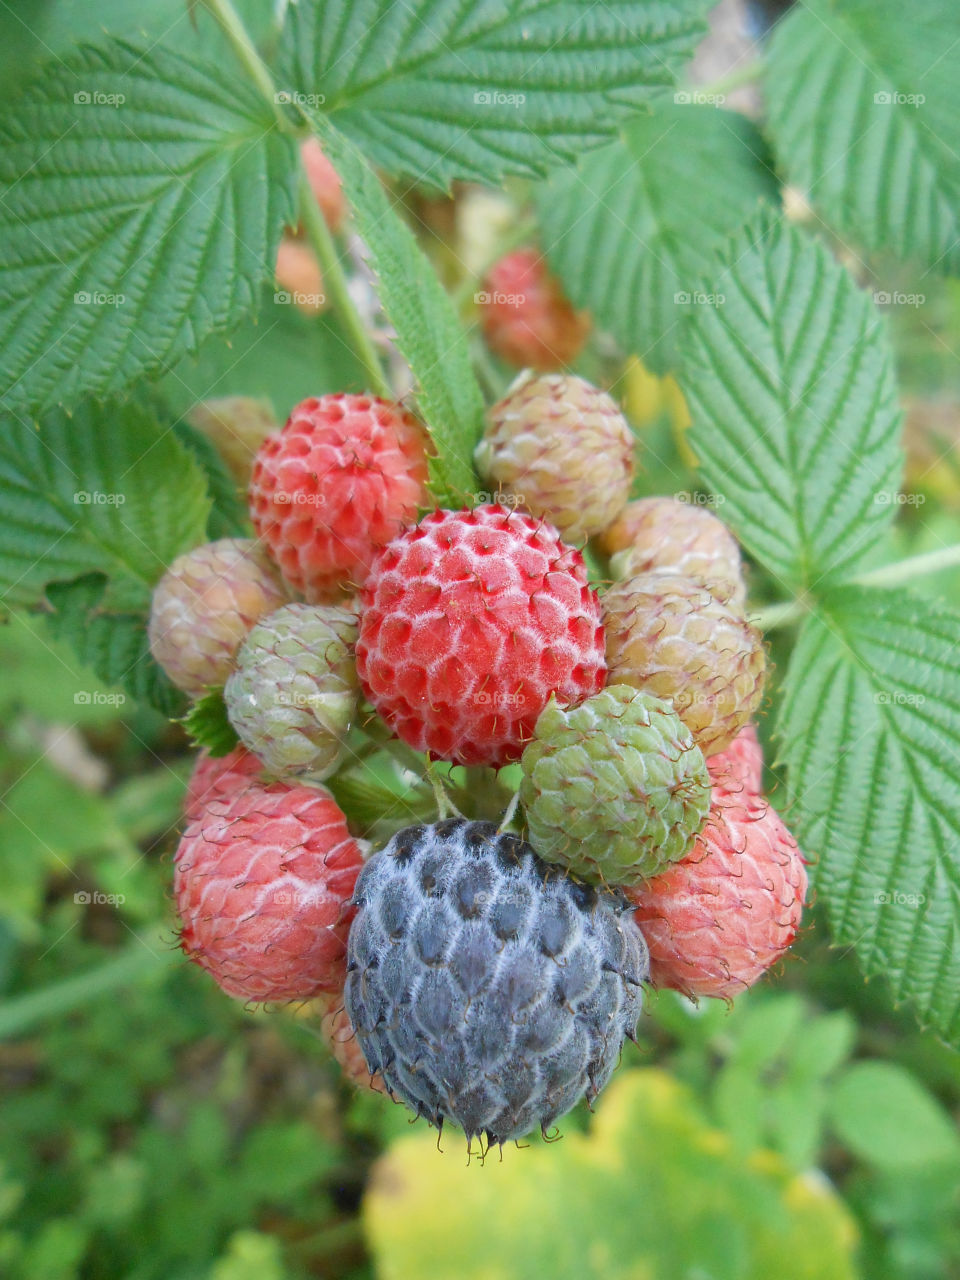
x: 380, y: 735
x: 331, y: 1240
x: 312, y: 220
x: 335, y: 284
x: 887, y: 575
x: 892, y: 575
x: 227, y: 18
x: 135, y: 962
x: 734, y: 79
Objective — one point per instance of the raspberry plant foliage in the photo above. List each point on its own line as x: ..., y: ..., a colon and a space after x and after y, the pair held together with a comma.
x: 175, y: 198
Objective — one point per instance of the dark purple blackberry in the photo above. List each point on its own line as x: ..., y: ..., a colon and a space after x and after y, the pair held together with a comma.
x: 488, y: 988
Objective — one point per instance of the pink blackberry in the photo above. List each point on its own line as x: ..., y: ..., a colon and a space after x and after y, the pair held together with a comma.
x: 219, y: 778
x: 719, y: 918
x: 469, y: 622
x: 263, y: 885
x: 526, y: 318
x: 739, y: 767
x: 342, y: 478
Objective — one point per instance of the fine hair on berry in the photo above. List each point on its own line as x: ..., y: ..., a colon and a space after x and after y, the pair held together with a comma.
x: 487, y: 988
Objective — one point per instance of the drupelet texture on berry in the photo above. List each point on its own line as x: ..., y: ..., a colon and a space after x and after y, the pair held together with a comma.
x: 562, y: 449
x: 671, y: 637
x: 263, y: 886
x: 219, y: 778
x: 676, y: 537
x: 487, y: 988
x: 293, y: 694
x: 339, y: 1034
x: 205, y: 604
x: 468, y: 623
x: 343, y: 477
x: 739, y: 767
x: 526, y: 317
x: 615, y: 788
x: 718, y: 919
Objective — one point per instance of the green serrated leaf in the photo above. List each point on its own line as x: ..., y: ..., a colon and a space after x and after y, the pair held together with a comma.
x: 870, y: 724
x: 864, y: 111
x: 790, y: 382
x: 112, y: 644
x: 429, y: 335
x: 277, y: 353
x: 106, y: 489
x: 209, y: 726
x: 228, y: 512
x: 438, y: 90
x: 633, y: 228
x: 142, y: 196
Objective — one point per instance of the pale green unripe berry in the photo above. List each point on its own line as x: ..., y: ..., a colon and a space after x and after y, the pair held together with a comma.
x: 614, y: 789
x: 294, y: 693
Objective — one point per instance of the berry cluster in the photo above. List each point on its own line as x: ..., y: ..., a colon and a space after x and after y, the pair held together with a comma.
x: 483, y: 974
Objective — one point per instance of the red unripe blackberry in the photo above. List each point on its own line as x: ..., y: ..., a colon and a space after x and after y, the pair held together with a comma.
x: 719, y: 918
x: 263, y: 886
x: 468, y: 623
x: 342, y: 478
x: 527, y: 319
